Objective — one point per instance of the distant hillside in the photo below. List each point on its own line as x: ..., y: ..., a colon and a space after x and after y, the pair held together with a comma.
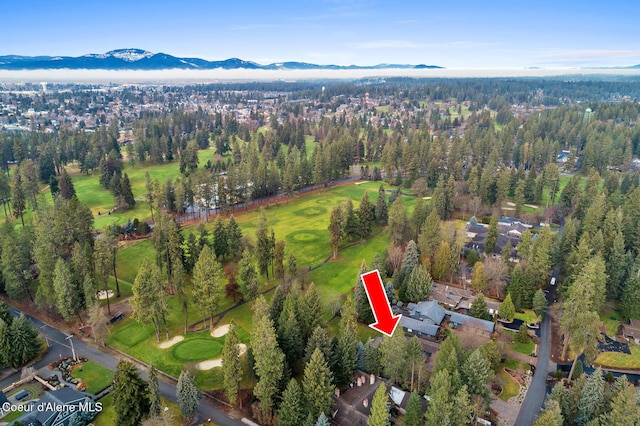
x: 138, y: 59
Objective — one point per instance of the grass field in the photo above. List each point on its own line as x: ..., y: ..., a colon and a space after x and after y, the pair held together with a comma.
x: 611, y: 319
x: 95, y: 376
x: 107, y: 416
x: 619, y: 360
x: 510, y: 387
x: 527, y: 315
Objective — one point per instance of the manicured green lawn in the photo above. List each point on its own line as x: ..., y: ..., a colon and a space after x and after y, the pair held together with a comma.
x: 619, y: 360
x: 523, y: 348
x: 611, y: 319
x: 94, y: 375
x: 510, y: 387
x: 527, y: 315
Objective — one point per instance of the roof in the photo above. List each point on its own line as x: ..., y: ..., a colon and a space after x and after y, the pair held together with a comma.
x: 429, y: 310
x: 65, y: 396
x: 416, y: 325
x: 460, y: 319
x: 632, y: 329
x: 398, y: 396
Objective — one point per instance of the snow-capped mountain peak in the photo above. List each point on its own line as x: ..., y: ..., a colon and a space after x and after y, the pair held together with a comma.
x: 129, y: 55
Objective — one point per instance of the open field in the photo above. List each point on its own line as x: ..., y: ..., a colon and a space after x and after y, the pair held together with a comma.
x: 95, y: 376
x: 510, y: 387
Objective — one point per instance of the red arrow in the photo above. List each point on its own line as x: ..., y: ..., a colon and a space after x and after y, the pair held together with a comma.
x: 386, y: 322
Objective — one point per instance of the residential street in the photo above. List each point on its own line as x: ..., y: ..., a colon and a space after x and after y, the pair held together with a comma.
x: 60, y: 347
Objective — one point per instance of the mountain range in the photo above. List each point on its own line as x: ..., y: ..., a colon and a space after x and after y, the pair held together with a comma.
x: 138, y: 59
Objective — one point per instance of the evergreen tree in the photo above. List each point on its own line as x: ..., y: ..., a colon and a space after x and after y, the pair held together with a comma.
x: 506, y: 309
x: 264, y: 250
x: 5, y: 344
x: 207, y: 283
x: 591, y: 403
x: 188, y: 396
x: 5, y: 313
x: 249, y: 285
x: 220, y: 238
x: 318, y: 385
x: 309, y: 311
x: 476, y: 374
x: 126, y: 193
x: 336, y: 229
x: 269, y: 359
x: 479, y: 277
x: 351, y: 225
x: 130, y: 395
x: 18, y: 198
x: 625, y: 409
x: 323, y: 420
x: 234, y: 238
x: 289, y: 337
x: 149, y: 301
x: 479, y: 308
x: 24, y: 342
x: 231, y: 364
x: 413, y: 417
x: 68, y: 295
x: 347, y: 343
x: 363, y: 307
x: 292, y: 410
x: 380, y: 408
x: 418, y: 285
x: 393, y: 351
x: 154, y: 392
x: 319, y: 340
x: 410, y: 259
x: 65, y: 185
x: 430, y: 234
x: 398, y: 222
x: 366, y: 213
x: 539, y: 302
x: 552, y: 415
x: 381, y: 207
x: 492, y: 235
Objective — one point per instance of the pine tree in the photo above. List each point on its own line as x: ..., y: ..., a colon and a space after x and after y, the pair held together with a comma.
x: 264, y: 249
x: 188, y: 395
x: 269, y: 359
x: 393, y: 351
x: 336, y: 229
x: 539, y: 302
x: 591, y: 403
x: 410, y: 258
x: 130, y: 395
x: 289, y: 333
x: 430, y: 234
x: 552, y: 415
x: 65, y: 185
x: 68, y: 299
x: 234, y: 238
x: 351, y: 224
x: 506, y: 309
x: 154, y: 392
x: 249, y: 285
x: 25, y: 344
x: 380, y: 408
x: 398, y: 222
x: 479, y: 308
x: 309, y: 311
x: 418, y: 285
x: 323, y: 420
x: 347, y: 343
x: 492, y: 235
x: 318, y: 385
x: 220, y: 238
x: 149, y: 301
x: 231, y: 364
x: 624, y: 408
x: 442, y: 261
x: 476, y: 374
x: 381, y: 207
x: 292, y: 410
x: 363, y: 307
x: 126, y: 193
x: 207, y: 283
x: 413, y: 417
x: 319, y: 340
x: 5, y: 343
x: 365, y: 216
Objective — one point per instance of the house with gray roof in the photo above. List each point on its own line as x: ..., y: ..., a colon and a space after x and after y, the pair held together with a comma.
x: 47, y: 411
x: 425, y: 319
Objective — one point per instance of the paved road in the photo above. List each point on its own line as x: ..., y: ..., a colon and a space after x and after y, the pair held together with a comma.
x: 537, y: 390
x: 59, y: 347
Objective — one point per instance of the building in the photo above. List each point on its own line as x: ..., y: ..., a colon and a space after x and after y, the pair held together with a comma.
x: 631, y: 331
x: 424, y: 319
x: 46, y: 411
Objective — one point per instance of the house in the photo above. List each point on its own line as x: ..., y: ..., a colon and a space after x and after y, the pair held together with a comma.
x: 632, y: 330
x: 425, y: 319
x: 354, y: 405
x: 46, y: 411
x: 478, y: 325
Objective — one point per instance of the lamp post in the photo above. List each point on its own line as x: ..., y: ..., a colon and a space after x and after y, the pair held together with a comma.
x: 73, y: 351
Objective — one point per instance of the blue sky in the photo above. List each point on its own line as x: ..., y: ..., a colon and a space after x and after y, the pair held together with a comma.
x: 453, y: 34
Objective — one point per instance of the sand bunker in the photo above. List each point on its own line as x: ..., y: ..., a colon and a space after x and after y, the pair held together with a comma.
x: 426, y: 198
x: 103, y: 294
x: 171, y: 342
x: 361, y: 182
x: 209, y: 364
x: 220, y: 331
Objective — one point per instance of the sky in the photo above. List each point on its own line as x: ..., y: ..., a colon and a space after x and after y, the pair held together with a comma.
x: 463, y: 34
